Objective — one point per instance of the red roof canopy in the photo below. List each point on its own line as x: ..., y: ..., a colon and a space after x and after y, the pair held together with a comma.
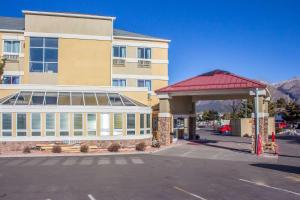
x: 214, y: 80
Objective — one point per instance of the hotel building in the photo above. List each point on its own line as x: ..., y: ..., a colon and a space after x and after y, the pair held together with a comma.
x: 75, y: 77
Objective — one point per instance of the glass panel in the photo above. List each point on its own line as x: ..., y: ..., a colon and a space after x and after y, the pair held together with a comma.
x: 24, y: 98
x: 92, y: 123
x: 36, y: 67
x: 7, y: 46
x: 64, y: 98
x: 130, y: 121
x: 15, y: 79
x: 6, y: 121
x: 148, y: 120
x: 37, y: 98
x: 6, y: 133
x: 77, y: 133
x: 6, y: 80
x: 126, y: 101
x: 77, y: 98
x: 50, y: 133
x: 90, y: 99
x: 21, y: 124
x: 36, y: 42
x: 141, y: 83
x: 51, y: 55
x: 64, y: 121
x: 141, y: 53
x: 123, y: 52
x: 102, y: 99
x: 10, y: 100
x: 51, y: 67
x: 51, y: 98
x: 147, y: 53
x: 116, y: 51
x: 115, y: 100
x: 35, y: 133
x: 148, y: 84
x: 105, y: 124
x: 36, y: 54
x: 15, y: 47
x: 78, y: 121
x: 118, y: 122
x: 50, y: 121
x: 142, y: 120
x: 36, y: 121
x: 51, y: 42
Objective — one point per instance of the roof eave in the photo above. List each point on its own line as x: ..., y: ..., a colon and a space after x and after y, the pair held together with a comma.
x: 142, y: 38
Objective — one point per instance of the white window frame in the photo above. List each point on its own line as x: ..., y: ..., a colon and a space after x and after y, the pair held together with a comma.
x: 119, y: 49
x: 44, y: 48
x: 11, y: 124
x: 148, y: 129
x: 21, y: 130
x: 107, y: 131
x: 82, y: 122
x: 137, y: 53
x: 68, y: 123
x: 10, y: 53
x: 50, y: 130
x: 144, y: 80
x: 87, y: 124
x: 144, y: 128
x: 119, y: 80
x: 134, y: 124
x: 11, y: 79
x: 118, y: 131
x: 31, y: 125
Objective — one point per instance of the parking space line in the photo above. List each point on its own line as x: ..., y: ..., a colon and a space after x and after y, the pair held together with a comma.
x: 189, y: 193
x: 91, y: 197
x: 268, y: 186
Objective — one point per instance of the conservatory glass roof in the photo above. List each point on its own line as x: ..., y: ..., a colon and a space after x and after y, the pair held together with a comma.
x: 64, y: 98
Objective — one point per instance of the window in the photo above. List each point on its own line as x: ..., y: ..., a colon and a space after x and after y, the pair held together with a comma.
x: 145, y: 83
x: 144, y: 53
x: 115, y: 100
x: 6, y: 124
x: 51, y: 98
x: 142, y: 124
x: 119, y: 51
x: 118, y: 124
x: 64, y: 124
x: 11, y: 47
x: 36, y: 124
x: 148, y: 123
x: 50, y: 124
x: 21, y: 124
x: 78, y: 124
x: 37, y: 98
x: 105, y: 124
x: 130, y: 124
x: 7, y: 79
x: 43, y: 54
x: 92, y: 124
x: 119, y: 83
x: 77, y: 98
x: 90, y: 99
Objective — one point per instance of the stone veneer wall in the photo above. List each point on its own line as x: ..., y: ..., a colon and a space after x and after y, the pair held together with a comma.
x: 164, y: 129
x: 263, y: 127
x: 18, y: 146
x: 192, y: 128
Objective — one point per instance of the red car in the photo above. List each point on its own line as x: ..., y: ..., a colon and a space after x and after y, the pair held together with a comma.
x: 225, y: 129
x: 281, y: 124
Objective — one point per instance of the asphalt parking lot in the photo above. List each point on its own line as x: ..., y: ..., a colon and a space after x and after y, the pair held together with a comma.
x: 151, y: 176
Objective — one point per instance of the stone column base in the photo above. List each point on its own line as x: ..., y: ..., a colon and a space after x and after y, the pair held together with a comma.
x: 263, y: 133
x: 164, y: 129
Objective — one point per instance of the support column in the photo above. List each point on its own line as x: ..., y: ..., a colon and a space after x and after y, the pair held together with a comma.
x: 164, y: 122
x: 262, y: 116
x: 192, y: 127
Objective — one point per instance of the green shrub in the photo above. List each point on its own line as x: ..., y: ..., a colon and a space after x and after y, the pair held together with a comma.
x: 114, y: 147
x: 84, y: 148
x: 56, y: 149
x: 27, y: 149
x: 140, y: 146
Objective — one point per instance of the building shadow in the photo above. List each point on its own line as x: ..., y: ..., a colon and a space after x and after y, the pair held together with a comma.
x: 277, y: 167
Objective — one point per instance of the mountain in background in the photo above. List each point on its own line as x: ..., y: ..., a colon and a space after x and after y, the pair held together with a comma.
x: 289, y: 90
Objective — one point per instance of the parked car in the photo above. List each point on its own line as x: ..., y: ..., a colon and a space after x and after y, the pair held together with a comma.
x: 280, y: 124
x: 225, y: 129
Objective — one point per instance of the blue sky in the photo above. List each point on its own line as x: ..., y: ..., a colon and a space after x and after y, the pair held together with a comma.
x: 259, y: 39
